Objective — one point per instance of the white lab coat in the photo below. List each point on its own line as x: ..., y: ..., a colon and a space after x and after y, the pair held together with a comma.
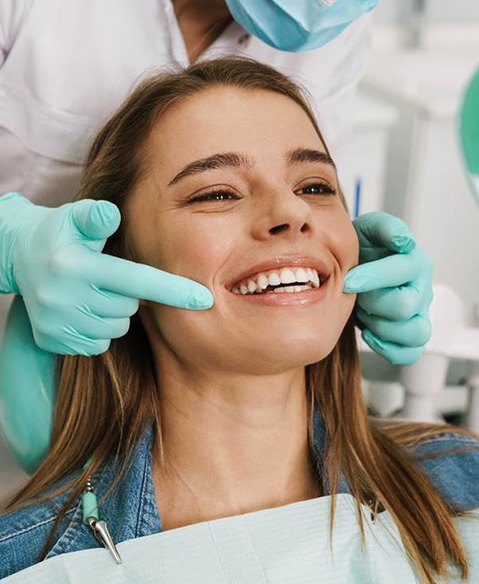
x: 65, y: 65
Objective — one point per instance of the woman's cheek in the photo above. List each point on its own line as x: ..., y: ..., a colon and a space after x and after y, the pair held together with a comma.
x: 354, y: 246
x: 201, y: 248
x: 347, y: 244
x: 342, y: 239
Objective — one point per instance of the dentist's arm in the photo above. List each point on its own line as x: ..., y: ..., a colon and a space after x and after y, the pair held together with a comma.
x: 394, y: 287
x: 27, y: 390
x: 77, y: 300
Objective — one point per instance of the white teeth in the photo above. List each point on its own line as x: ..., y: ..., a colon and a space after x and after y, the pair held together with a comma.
x: 274, y: 279
x: 291, y: 289
x: 287, y: 276
x: 259, y: 283
x: 262, y: 282
x: 302, y: 275
x: 252, y: 286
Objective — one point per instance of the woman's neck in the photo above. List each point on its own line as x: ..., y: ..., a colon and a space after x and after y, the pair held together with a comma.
x: 201, y: 22
x: 231, y: 446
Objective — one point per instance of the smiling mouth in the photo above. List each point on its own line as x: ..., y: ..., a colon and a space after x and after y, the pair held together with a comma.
x: 288, y: 280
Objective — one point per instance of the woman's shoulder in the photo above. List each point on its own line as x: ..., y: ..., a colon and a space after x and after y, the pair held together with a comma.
x: 451, y: 460
x: 24, y: 532
x: 129, y: 509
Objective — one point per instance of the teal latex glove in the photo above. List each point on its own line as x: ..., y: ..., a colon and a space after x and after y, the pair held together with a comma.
x: 27, y: 377
x: 78, y: 298
x: 394, y: 287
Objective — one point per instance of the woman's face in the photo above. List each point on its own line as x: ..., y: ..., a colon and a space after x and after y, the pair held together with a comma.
x: 237, y: 188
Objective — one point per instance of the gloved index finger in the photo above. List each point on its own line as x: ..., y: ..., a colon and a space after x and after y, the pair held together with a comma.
x: 145, y: 282
x: 393, y: 270
x: 384, y: 230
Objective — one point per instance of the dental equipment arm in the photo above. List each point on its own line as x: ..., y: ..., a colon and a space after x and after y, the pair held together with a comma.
x: 394, y: 287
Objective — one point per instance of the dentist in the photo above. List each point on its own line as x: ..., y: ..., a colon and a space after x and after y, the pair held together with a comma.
x: 64, y: 67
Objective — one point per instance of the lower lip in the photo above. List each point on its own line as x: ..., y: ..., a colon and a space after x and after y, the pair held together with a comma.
x: 304, y: 298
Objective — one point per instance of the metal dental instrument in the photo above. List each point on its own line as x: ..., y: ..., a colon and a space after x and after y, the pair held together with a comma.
x: 91, y: 518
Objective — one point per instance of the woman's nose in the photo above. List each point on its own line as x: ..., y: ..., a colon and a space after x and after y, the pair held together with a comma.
x: 283, y: 213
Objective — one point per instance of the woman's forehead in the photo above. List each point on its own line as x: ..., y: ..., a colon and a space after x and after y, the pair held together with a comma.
x: 224, y: 119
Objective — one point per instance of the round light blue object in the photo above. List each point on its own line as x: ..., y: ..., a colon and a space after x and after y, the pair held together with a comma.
x: 296, y: 26
x: 469, y: 132
x: 26, y: 372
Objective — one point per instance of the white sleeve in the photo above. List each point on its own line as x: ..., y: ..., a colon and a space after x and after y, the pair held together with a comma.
x: 11, y: 14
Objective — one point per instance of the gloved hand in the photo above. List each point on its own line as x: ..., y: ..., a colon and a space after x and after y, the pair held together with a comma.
x: 394, y: 287
x: 78, y: 298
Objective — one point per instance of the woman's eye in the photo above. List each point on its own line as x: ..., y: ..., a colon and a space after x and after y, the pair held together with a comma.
x: 214, y: 196
x: 312, y: 189
x: 317, y: 189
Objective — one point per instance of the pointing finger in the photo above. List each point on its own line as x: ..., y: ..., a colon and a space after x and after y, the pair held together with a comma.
x: 145, y: 282
x: 393, y: 270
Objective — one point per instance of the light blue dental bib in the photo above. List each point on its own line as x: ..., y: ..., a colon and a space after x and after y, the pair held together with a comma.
x: 283, y: 545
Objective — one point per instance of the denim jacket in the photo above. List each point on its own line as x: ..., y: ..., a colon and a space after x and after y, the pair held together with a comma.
x: 131, y: 509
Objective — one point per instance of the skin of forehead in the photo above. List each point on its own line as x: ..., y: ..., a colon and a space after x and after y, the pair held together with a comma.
x: 199, y: 111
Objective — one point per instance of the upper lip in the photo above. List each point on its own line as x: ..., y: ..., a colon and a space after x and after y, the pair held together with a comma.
x: 283, y: 262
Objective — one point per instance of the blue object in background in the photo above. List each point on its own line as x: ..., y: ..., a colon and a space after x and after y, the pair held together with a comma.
x: 357, y: 197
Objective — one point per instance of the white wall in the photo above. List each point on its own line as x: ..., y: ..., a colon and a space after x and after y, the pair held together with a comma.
x: 429, y: 81
x: 459, y: 225
x: 437, y: 11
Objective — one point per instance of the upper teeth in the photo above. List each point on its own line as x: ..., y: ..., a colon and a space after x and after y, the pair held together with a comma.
x: 260, y: 281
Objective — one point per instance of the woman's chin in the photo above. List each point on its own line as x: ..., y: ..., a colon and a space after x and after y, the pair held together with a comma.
x: 278, y: 355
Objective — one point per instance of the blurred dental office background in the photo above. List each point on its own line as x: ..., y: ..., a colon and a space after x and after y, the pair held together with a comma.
x: 405, y: 159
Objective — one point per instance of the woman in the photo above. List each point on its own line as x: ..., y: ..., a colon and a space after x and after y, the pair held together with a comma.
x: 47, y: 121
x: 222, y: 176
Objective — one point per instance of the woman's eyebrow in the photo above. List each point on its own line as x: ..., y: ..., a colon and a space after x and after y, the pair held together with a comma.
x: 308, y: 155
x: 236, y: 159
x: 212, y: 162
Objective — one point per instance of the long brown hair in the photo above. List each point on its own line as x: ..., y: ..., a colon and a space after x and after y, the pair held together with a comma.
x: 118, y: 389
